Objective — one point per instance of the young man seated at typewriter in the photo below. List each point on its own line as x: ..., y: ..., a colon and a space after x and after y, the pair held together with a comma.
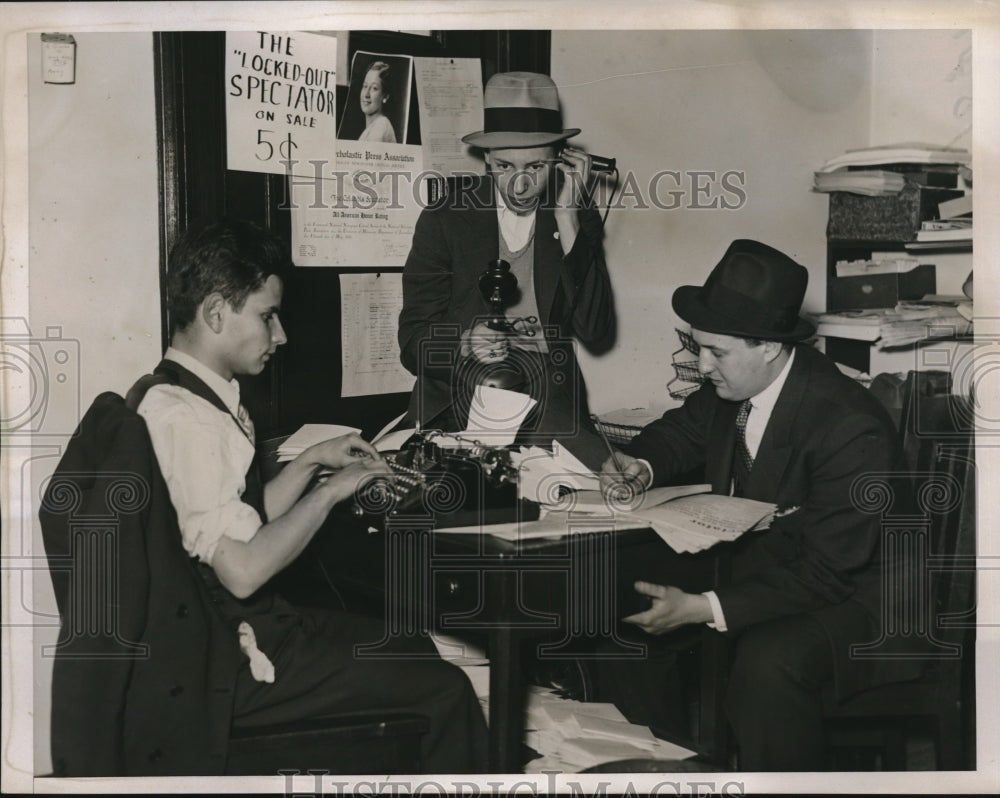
x: 225, y: 290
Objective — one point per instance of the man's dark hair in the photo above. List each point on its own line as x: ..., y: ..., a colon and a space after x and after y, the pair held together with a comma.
x: 229, y: 256
x: 755, y: 342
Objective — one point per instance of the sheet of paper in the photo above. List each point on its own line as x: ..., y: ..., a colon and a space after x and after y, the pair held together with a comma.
x: 541, y: 478
x: 388, y: 427
x: 393, y: 441
x: 552, y: 525
x: 594, y: 726
x: 569, y: 461
x: 694, y: 523
x: 308, y: 435
x: 369, y: 313
x: 281, y: 91
x: 450, y: 94
x: 496, y: 415
x: 363, y: 212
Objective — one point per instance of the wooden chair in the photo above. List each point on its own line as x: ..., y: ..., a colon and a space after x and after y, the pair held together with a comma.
x: 938, y: 545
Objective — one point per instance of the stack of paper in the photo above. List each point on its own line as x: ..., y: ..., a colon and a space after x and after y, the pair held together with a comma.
x: 687, y: 517
x: 908, y: 152
x: 869, y: 182
x: 309, y: 435
x: 905, y: 324
x: 543, y: 476
x: 695, y: 523
x: 575, y: 735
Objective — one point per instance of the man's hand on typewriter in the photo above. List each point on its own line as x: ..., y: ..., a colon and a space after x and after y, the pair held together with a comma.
x: 340, y: 452
x: 346, y: 482
x: 485, y: 344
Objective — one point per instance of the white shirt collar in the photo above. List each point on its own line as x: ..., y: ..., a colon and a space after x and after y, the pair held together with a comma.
x: 227, y: 390
x: 516, y: 228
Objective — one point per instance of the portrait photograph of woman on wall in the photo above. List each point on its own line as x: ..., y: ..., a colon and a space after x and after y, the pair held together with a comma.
x: 378, y: 99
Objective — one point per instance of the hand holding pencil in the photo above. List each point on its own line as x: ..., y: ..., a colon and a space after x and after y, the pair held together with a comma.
x: 624, y: 470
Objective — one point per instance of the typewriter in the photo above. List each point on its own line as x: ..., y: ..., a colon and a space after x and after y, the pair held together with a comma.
x: 444, y: 485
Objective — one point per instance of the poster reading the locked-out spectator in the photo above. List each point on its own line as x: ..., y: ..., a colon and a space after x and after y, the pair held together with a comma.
x: 281, y: 93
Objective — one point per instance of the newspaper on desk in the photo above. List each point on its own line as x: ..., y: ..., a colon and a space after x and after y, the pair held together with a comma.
x: 688, y: 518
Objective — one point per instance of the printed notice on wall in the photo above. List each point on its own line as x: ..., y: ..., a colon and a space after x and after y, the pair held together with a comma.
x: 450, y: 91
x: 281, y: 93
x: 369, y: 318
x: 363, y: 213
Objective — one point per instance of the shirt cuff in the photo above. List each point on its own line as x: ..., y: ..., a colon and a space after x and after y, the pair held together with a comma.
x: 718, y: 619
x: 649, y: 468
x: 237, y: 521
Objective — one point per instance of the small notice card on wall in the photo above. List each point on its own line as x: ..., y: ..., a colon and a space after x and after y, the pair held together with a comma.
x: 363, y: 214
x: 281, y: 91
x: 369, y: 318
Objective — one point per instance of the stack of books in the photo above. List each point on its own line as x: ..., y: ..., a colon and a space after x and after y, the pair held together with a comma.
x: 952, y: 230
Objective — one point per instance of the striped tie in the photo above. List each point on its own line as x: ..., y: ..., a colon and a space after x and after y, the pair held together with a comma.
x: 243, y: 417
x: 741, y: 434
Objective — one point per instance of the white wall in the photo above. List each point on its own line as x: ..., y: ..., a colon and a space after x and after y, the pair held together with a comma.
x: 922, y: 92
x: 922, y: 87
x: 774, y: 105
x: 94, y: 252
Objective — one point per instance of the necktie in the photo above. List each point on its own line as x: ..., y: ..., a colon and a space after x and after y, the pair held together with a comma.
x: 741, y: 434
x: 243, y: 417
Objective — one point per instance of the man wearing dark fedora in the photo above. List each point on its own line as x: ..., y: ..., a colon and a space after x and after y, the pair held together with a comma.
x: 775, y: 421
x: 530, y: 211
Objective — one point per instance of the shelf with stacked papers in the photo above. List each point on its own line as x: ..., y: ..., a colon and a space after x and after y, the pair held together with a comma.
x: 905, y: 324
x: 901, y: 153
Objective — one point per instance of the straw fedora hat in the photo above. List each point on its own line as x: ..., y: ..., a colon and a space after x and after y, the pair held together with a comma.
x: 520, y: 109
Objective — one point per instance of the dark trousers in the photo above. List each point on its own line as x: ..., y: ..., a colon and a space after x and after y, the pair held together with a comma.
x: 318, y: 671
x: 774, y: 700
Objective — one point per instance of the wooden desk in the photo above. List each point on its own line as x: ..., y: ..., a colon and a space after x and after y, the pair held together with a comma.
x: 551, y: 591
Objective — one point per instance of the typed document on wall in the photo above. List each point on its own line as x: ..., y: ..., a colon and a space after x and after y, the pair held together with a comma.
x: 369, y: 318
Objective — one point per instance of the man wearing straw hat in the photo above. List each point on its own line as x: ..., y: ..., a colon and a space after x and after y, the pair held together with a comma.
x: 530, y: 211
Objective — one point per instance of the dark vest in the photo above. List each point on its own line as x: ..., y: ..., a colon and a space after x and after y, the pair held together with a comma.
x: 230, y: 607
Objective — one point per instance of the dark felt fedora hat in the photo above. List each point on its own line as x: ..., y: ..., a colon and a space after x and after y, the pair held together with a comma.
x: 755, y: 291
x: 520, y: 109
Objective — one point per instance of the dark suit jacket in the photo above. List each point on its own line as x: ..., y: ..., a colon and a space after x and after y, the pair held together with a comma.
x: 148, y: 691
x: 825, y: 432
x: 452, y: 245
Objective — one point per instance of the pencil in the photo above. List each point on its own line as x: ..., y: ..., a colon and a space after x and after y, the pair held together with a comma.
x: 611, y: 451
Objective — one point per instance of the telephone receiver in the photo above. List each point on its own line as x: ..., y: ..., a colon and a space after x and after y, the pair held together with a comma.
x: 600, y: 164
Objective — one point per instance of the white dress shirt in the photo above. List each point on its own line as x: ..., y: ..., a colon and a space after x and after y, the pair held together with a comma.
x: 516, y: 229
x: 204, y: 457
